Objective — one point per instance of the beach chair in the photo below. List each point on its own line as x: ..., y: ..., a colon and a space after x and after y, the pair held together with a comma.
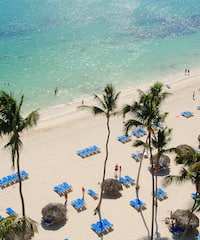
x: 124, y: 181
x: 92, y: 194
x: 195, y: 196
x: 136, y: 133
x: 177, y: 231
x: 124, y: 138
x: 47, y: 222
x: 66, y: 187
x: 135, y: 205
x: 58, y: 190
x: 79, y: 204
x: 161, y: 195
x: 187, y: 114
x: 11, y: 212
x: 99, y: 231
x: 24, y: 175
x: 197, y: 237
x: 1, y: 218
x: 107, y: 225
x: 130, y: 180
x: 198, y: 107
x: 5, y: 181
x: 142, y: 131
x: 138, y: 204
x: 135, y: 156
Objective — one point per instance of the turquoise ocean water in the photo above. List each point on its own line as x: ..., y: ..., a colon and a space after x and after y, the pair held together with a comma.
x: 81, y: 45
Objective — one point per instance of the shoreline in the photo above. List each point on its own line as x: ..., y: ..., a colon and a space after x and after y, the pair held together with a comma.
x: 129, y: 94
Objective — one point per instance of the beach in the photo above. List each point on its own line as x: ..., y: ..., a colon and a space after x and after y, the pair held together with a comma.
x: 49, y: 156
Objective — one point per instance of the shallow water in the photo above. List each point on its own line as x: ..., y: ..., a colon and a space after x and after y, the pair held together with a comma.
x: 81, y: 45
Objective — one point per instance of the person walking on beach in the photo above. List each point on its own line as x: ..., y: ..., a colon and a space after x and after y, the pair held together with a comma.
x: 66, y: 197
x: 83, y: 192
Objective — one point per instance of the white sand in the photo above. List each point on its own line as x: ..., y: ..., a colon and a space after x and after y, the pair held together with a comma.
x: 49, y: 156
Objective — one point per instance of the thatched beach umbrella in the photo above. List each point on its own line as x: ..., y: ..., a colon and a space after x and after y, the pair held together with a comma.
x: 54, y: 212
x: 182, y: 218
x: 111, y: 187
x: 163, y: 161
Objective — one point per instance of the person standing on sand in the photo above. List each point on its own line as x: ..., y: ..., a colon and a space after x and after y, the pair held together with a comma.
x: 55, y: 91
x: 116, y: 170
x: 193, y: 95
x: 83, y: 192
x: 66, y: 197
x: 120, y: 171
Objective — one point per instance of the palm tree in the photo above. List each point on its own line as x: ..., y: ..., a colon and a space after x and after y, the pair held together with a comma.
x: 146, y: 113
x: 106, y: 106
x: 11, y: 227
x: 13, y: 124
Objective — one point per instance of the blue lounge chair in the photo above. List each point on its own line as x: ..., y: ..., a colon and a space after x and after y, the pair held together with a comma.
x: 92, y: 193
x: 23, y: 174
x: 66, y: 187
x: 129, y: 179
x: 124, y: 181
x: 142, y: 131
x: 79, y: 204
x: 58, y: 190
x: 97, y: 229
x: 187, y: 114
x: 178, y: 231
x: 136, y: 133
x: 1, y: 218
x: 134, y: 204
x: 10, y: 211
x: 47, y: 222
x: 195, y: 196
x: 124, y: 138
x: 138, y: 204
x: 135, y: 156
x: 198, y: 107
x: 107, y: 224
x: 161, y: 194
x: 197, y: 237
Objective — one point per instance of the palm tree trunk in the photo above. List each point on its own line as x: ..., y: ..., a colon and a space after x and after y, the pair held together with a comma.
x: 153, y: 186
x: 137, y: 186
x: 20, y: 185
x: 105, y: 163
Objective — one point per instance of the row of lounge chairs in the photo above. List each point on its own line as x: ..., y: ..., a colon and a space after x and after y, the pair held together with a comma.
x: 102, y: 227
x: 62, y: 188
x: 127, y: 181
x: 86, y: 152
x: 138, y: 204
x: 12, y: 179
